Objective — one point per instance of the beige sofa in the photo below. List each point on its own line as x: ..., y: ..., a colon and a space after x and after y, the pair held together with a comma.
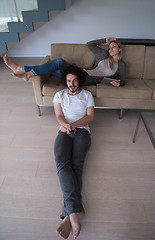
x: 138, y: 92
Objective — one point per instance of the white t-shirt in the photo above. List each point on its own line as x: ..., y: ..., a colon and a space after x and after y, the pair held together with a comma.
x: 74, y: 107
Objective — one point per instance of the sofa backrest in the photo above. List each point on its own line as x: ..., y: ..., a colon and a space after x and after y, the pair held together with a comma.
x: 149, y: 63
x: 80, y: 54
x: 133, y: 56
x: 73, y: 53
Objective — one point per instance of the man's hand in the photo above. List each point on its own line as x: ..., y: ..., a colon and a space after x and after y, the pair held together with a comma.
x: 68, y: 128
x: 63, y: 129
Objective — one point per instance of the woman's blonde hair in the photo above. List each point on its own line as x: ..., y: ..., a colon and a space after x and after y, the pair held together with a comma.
x: 111, y: 60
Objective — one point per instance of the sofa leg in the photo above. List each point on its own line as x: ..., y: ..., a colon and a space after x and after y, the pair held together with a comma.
x: 39, y: 111
x: 121, y: 113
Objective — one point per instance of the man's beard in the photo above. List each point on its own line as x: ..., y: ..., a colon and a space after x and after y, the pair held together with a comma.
x: 73, y: 90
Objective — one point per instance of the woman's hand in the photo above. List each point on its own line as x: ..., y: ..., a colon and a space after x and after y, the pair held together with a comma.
x: 115, y: 83
x: 109, y: 39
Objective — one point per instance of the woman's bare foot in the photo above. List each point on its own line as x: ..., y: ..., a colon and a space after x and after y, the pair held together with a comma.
x: 25, y: 76
x: 13, y: 66
x: 75, y: 223
x: 65, y: 228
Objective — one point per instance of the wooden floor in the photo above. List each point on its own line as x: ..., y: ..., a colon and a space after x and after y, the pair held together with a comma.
x: 118, y: 179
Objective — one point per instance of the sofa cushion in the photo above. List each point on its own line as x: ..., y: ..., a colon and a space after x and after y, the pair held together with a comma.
x: 54, y: 85
x: 134, y: 88
x: 133, y: 56
x: 151, y: 84
x: 149, y: 63
x: 79, y: 54
x: 91, y: 88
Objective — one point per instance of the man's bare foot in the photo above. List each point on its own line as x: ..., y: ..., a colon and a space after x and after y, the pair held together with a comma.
x: 65, y: 228
x: 75, y: 223
x: 13, y: 66
x: 25, y: 76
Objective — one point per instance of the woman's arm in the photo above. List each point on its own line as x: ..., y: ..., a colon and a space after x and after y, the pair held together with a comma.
x: 94, y: 46
x: 99, y: 52
x: 122, y: 73
x: 96, y: 43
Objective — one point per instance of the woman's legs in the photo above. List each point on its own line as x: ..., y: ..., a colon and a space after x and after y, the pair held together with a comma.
x: 26, y: 72
x: 52, y: 67
x: 16, y: 68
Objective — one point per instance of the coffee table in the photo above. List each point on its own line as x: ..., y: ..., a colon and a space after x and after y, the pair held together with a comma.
x: 148, y: 119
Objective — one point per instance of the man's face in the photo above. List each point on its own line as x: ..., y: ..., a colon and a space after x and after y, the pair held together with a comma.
x: 72, y: 83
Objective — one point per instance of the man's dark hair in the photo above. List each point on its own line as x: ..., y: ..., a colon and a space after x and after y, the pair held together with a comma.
x: 75, y: 70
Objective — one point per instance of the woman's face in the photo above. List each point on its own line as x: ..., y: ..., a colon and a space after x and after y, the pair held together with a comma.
x: 114, y: 49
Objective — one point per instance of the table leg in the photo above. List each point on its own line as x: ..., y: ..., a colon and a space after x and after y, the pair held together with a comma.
x: 136, y: 131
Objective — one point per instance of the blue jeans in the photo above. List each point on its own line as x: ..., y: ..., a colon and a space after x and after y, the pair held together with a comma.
x: 52, y: 67
x: 70, y: 151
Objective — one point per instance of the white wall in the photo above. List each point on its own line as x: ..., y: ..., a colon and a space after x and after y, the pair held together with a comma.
x: 86, y: 20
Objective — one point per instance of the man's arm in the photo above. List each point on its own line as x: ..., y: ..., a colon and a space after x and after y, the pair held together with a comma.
x: 81, y: 122
x: 60, y: 117
x: 86, y: 119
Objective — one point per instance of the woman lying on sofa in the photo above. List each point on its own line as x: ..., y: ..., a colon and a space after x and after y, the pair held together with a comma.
x: 106, y: 64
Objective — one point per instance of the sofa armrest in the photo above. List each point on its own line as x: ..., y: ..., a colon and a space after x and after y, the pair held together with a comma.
x: 38, y: 82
